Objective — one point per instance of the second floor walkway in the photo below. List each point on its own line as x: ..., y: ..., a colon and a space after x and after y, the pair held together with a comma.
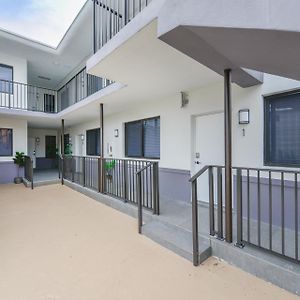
x: 22, y: 96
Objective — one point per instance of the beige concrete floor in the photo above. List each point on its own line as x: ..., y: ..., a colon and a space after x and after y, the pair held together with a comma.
x: 56, y: 244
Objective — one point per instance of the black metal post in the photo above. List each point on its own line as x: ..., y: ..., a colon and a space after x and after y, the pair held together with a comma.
x: 94, y: 25
x: 101, y: 174
x: 83, y: 171
x: 125, y: 174
x: 139, y: 201
x: 211, y: 202
x: 220, y: 204
x: 62, y: 146
x: 125, y: 12
x: 195, y: 224
x: 239, y: 211
x: 31, y: 172
x: 156, y: 188
x: 228, y: 155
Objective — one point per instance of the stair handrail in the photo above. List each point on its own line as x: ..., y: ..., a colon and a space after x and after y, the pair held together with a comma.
x: 29, y: 168
x: 153, y: 164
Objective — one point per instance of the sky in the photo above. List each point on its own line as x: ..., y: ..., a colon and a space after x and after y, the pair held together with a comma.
x: 45, y: 21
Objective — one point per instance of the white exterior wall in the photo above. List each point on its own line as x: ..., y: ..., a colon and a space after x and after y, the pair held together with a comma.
x: 176, y: 123
x: 19, y: 65
x: 19, y: 75
x: 41, y: 134
x: 19, y: 128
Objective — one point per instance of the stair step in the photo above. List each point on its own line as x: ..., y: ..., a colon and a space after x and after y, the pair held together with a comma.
x: 176, y: 239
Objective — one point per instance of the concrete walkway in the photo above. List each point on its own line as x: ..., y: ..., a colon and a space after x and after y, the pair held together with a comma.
x: 57, y: 244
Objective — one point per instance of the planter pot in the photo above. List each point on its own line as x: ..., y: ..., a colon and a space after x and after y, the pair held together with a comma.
x: 18, y: 180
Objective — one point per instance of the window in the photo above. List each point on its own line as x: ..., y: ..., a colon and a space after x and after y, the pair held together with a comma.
x: 49, y: 103
x: 142, y: 138
x: 93, y: 142
x: 282, y: 130
x: 6, y: 145
x: 6, y: 78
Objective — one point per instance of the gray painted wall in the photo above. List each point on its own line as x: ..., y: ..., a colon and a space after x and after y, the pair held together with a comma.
x: 8, y: 171
x: 174, y: 184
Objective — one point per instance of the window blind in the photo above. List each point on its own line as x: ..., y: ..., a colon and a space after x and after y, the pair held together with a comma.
x: 152, y: 138
x: 134, y: 139
x: 282, y: 117
x: 93, y: 142
x: 142, y: 138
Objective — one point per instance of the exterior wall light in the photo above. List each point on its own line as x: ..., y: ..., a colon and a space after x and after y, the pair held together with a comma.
x: 37, y: 140
x: 82, y: 137
x: 116, y: 132
x: 244, y: 116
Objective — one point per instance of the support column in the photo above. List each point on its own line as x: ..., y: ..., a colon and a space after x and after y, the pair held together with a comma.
x: 94, y: 26
x: 228, y: 155
x: 101, y: 171
x: 62, y: 147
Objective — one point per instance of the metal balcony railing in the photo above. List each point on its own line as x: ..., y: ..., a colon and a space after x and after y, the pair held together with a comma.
x: 266, y: 209
x: 110, y: 16
x: 133, y: 181
x: 16, y: 95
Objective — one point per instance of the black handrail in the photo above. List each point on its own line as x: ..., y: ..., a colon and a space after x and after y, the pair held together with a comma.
x: 258, y: 192
x: 115, y: 177
x: 110, y: 17
x: 198, y: 174
x: 23, y: 96
x: 195, y: 229
x: 28, y: 170
x: 139, y: 191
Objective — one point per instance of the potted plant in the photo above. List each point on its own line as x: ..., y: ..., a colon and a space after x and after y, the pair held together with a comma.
x: 19, y: 160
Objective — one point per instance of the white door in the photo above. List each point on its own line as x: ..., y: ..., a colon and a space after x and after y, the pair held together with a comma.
x: 32, y: 150
x: 208, y: 148
x: 79, y: 145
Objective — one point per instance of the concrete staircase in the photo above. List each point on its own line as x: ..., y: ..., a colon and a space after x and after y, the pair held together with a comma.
x: 172, y: 230
x: 176, y: 239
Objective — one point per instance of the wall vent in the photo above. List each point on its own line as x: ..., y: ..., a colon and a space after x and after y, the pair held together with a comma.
x: 44, y: 78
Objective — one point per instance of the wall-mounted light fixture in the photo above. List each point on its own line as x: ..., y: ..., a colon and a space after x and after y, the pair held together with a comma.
x: 116, y: 132
x: 82, y: 137
x: 244, y: 116
x: 37, y: 140
x: 184, y: 99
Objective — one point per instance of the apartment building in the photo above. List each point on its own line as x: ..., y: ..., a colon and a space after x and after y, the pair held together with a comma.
x: 170, y: 103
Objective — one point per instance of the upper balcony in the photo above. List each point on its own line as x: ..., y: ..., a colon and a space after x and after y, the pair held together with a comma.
x: 21, y: 96
x: 111, y: 16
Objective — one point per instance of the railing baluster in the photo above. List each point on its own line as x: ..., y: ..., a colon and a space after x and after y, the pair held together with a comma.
x: 211, y: 202
x: 239, y: 208
x: 258, y: 210
x: 220, y: 203
x: 248, y: 205
x: 296, y: 216
x: 282, y: 215
x: 195, y: 224
x: 139, y: 202
x: 270, y: 212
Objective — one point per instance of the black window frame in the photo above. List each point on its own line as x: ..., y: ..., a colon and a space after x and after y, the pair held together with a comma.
x: 12, y: 143
x: 142, y: 139
x: 11, y: 86
x: 97, y: 141
x: 266, y: 101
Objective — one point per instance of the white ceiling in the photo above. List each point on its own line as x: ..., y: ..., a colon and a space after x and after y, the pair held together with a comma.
x: 146, y: 69
x: 56, y: 64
